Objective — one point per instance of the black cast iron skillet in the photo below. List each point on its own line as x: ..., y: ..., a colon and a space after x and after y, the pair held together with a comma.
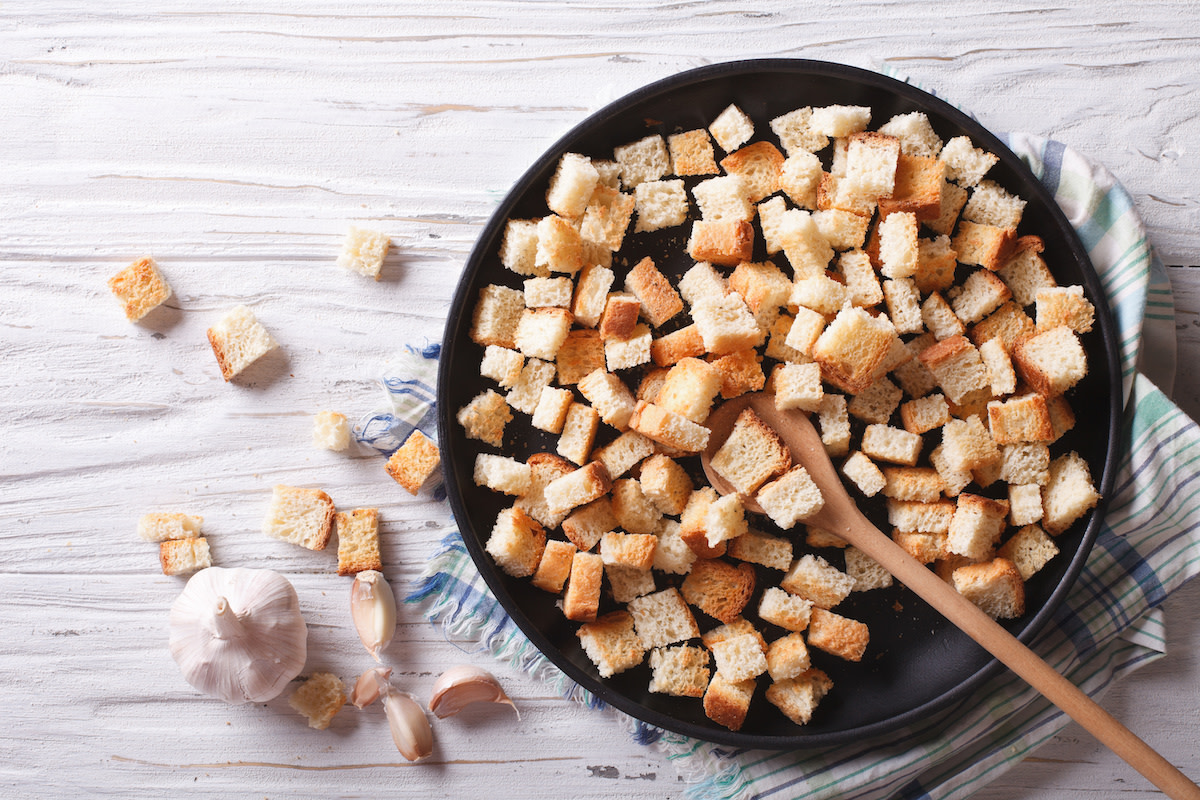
x: 917, y: 664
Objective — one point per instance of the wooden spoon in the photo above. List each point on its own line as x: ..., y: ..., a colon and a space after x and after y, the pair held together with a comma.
x: 841, y: 516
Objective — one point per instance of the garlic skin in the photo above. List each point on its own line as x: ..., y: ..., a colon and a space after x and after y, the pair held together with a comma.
x: 373, y: 608
x: 370, y: 686
x: 238, y: 634
x: 411, y: 730
x: 460, y: 686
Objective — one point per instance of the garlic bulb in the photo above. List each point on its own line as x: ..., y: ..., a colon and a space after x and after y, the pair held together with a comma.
x: 373, y: 608
x: 460, y: 686
x: 237, y: 634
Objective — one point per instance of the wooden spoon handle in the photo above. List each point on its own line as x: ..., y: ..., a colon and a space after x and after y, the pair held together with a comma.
x: 1025, y: 663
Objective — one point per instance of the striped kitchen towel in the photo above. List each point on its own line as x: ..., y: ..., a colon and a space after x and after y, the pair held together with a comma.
x: 1109, y: 626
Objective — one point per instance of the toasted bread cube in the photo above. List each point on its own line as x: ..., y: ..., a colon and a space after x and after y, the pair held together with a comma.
x: 898, y: 245
x: 358, y: 541
x: 582, y: 598
x: 724, y: 520
x: 759, y: 164
x: 668, y: 428
x: 609, y: 172
x: 939, y: 317
x: 666, y: 484
x: 140, y: 288
x: 1064, y: 305
x: 840, y: 121
x: 771, y: 214
x: 806, y: 248
x: 985, y: 245
x: 953, y: 198
x: 954, y: 479
x: 799, y: 177
x: 577, y: 488
x: 967, y: 445
x: 604, y: 224
x: 184, y: 556
x: 990, y: 204
x: 238, y: 340
x: 871, y: 160
x: 738, y: 626
x: 541, y: 331
x: 536, y: 375
x: 612, y: 643
x: 633, y: 510
x: 560, y: 247
x: 1001, y: 376
x: 1020, y: 419
x: 922, y: 484
x: 890, y: 444
x: 672, y: 555
x: 516, y: 542
x: 719, y: 589
x: 659, y: 301
x: 572, y: 185
x: 816, y: 580
x: 837, y: 635
x: 912, y: 374
x: 363, y: 252
x: 957, y: 368
x: 916, y: 135
x: 789, y: 611
x: 917, y: 188
x: 319, y: 698
x: 676, y: 346
x: 910, y: 515
x: 591, y: 294
x: 581, y: 354
x: 1052, y: 361
x: 679, y: 671
x: 740, y: 658
x: 995, y: 586
x: 724, y: 198
x: 1024, y: 505
x: 630, y: 352
x: 702, y: 282
x: 844, y: 230
x: 835, y: 191
x: 501, y: 365
x: 610, y: 397
x: 646, y: 159
x: 751, y: 454
x: 797, y: 697
x: 1068, y: 494
x: 1029, y: 549
x: 634, y: 550
x: 1025, y: 463
x: 727, y: 242
x: 936, y: 265
x: 623, y: 453
x: 756, y: 547
x: 620, y: 316
x: 660, y: 204
x: 1008, y: 323
x: 586, y: 524
x: 852, y: 347
x: 833, y: 422
x: 1025, y: 272
x: 763, y: 287
x: 726, y: 324
x: 924, y: 547
x: 551, y: 412
x: 863, y: 472
x: 740, y: 372
x: 628, y: 582
x: 790, y: 498
x: 798, y: 386
x: 578, y: 433
x: 543, y: 468
x: 862, y: 284
x: 163, y: 526
x: 303, y: 517
x: 925, y: 413
x: 502, y: 474
x: 903, y: 304
x: 732, y: 128
x: 727, y: 703
x: 877, y: 402
x: 804, y: 330
x: 796, y: 133
x: 692, y: 154
x: 982, y: 293
x: 820, y: 293
x: 977, y: 525
x: 518, y: 248
x: 965, y: 164
x: 865, y: 571
x: 663, y: 618
x: 548, y: 292
x: 693, y: 524
x: 689, y: 389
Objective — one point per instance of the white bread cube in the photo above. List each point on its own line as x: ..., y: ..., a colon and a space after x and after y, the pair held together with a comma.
x: 965, y: 164
x: 977, y: 526
x: 923, y: 484
x: 871, y: 159
x: 903, y: 305
x: 679, y: 671
x: 818, y: 293
x: 864, y: 473
x: 724, y: 519
x: 620, y: 317
x: 1024, y: 504
x: 806, y: 327
x: 727, y: 242
x: 612, y: 643
x: 1025, y: 463
x: 525, y: 394
x: 751, y: 454
x: 633, y: 510
x: 692, y: 153
x: 647, y: 159
x: 967, y: 444
x: 853, y: 347
x: 1020, y: 419
x: 911, y: 515
x: 238, y: 340
x: 1051, y: 362
x: 833, y: 422
x: 702, y: 282
x: 787, y: 658
x: 554, y: 567
x: 1068, y: 494
x: 331, y: 431
x: 414, y: 462
x: 541, y: 331
x: 609, y: 172
x: 982, y: 293
x: 790, y: 498
x: 673, y: 347
x: 866, y: 572
x: 544, y: 468
x: 995, y: 586
x: 953, y: 198
x: 756, y: 547
x: 844, y: 230
x: 957, y: 368
x: 623, y: 453
x: 578, y: 433
x: 484, y: 418
x: 800, y: 177
x: 496, y: 315
x: 799, y: 696
x: 1064, y: 305
x: 516, y: 542
x: 548, y: 292
x: 984, y: 245
x: 501, y: 365
x: 363, y: 252
x: 816, y: 580
x: 140, y: 288
x: 660, y: 204
x: 666, y: 484
x: 672, y: 554
x: 916, y: 135
x: 990, y: 204
x: 551, y: 411
x: 164, y: 526
x: 502, y: 474
x: 798, y: 386
x: 899, y: 246
x: 796, y: 133
x: 877, y: 402
x: 939, y: 317
x: 837, y: 635
x: 1025, y: 272
x: 838, y: 121
x: 923, y: 414
x: 585, y: 525
x: 572, y: 185
x: 628, y: 353
x: 604, y: 223
x: 732, y: 128
x: 560, y: 247
x: 890, y: 444
x: 668, y: 428
x: 725, y: 197
x: 789, y: 611
x: 954, y: 480
x: 770, y: 214
x: 1029, y: 549
x: 581, y: 601
x: 727, y: 703
x: 611, y: 398
x: 726, y: 324
x: 591, y: 294
x: 689, y: 389
x: 184, y: 556
x: 740, y: 658
x: 862, y: 284
x: 806, y: 248
x: 663, y: 618
x: 576, y: 488
x: 518, y: 248
x: 632, y: 550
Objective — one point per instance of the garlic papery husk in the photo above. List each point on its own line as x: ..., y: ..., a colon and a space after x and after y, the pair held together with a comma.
x: 373, y: 608
x: 460, y: 686
x: 411, y: 730
x: 237, y: 634
x: 370, y: 686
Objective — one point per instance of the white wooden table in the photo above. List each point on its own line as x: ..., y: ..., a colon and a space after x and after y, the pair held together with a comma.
x: 236, y: 146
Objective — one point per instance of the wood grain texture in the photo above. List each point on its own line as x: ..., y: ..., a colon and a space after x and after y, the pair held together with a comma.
x: 236, y: 146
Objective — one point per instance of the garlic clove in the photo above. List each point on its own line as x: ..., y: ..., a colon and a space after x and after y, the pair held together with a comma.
x: 411, y: 730
x: 458, y: 687
x: 370, y: 686
x: 373, y: 608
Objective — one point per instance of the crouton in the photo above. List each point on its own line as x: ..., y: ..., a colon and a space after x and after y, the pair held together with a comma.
x: 866, y: 572
x: 816, y: 580
x: 917, y: 188
x: 578, y: 433
x: 536, y: 375
x: 981, y: 294
x: 1064, y: 305
x: 319, y: 698
x: 612, y: 643
x: 727, y: 703
x: 591, y: 295
x: 837, y: 635
x: 796, y: 133
x: 995, y: 586
x: 672, y: 555
x: 922, y: 484
x: 414, y: 462
x: 957, y: 368
x: 719, y: 589
x: 833, y: 422
x: 1068, y: 494
x: 238, y: 340
x: 916, y: 135
x: 516, y: 542
x: 577, y: 488
x: 797, y: 386
x: 679, y: 671
x: 675, y: 346
x: 628, y: 353
x: 910, y: 515
x: 634, y: 512
x: 732, y: 128
x: 1029, y: 549
x: 560, y: 247
x: 852, y: 347
x: 581, y: 354
x: 582, y: 598
x: 899, y: 248
x: 774, y: 552
x: 726, y: 242
x: 660, y: 204
x: 984, y: 245
x: 923, y: 414
x: 799, y: 178
x: 663, y: 618
x: 967, y: 445
x: 689, y: 389
x: 965, y: 164
x: 740, y: 658
x: 162, y: 526
x: 551, y: 412
x: 877, y: 402
x: 692, y: 153
x: 647, y: 159
x: 990, y: 204
x: 759, y: 165
x: 1051, y: 361
x: 184, y: 556
x: 890, y: 444
x: 543, y: 468
x: 1020, y: 419
x: 790, y: 498
x: 140, y: 288
x: 789, y: 611
x: 1025, y: 272
x: 977, y: 525
x: 864, y: 474
x: 751, y: 454
x: 303, y: 517
x: 518, y: 247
